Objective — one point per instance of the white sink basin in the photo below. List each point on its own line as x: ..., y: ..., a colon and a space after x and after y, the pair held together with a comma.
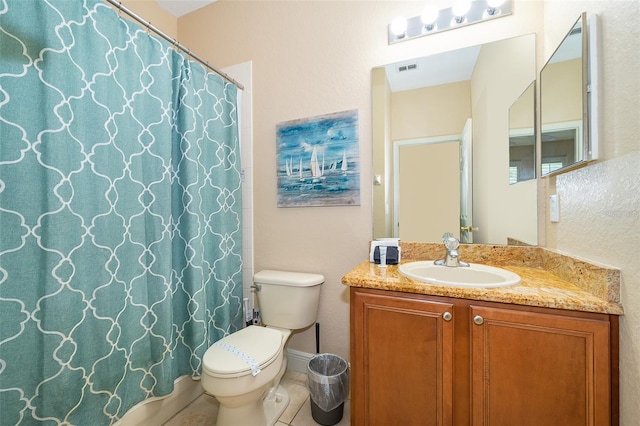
x: 474, y: 275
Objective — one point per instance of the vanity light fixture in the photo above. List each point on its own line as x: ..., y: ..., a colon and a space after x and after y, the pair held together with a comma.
x: 432, y: 20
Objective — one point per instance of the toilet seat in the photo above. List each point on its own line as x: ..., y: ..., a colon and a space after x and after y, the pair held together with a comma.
x: 262, y: 345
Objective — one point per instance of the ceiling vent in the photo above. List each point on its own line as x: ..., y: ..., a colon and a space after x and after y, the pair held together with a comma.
x: 409, y: 67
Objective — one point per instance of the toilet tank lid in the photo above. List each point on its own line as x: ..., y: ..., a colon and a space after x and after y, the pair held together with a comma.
x: 299, y: 279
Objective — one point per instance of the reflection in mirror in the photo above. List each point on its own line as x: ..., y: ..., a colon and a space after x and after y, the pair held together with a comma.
x: 522, y: 137
x: 421, y: 109
x: 563, y: 104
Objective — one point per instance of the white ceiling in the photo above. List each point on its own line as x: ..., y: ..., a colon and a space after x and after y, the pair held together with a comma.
x: 181, y: 7
x: 443, y: 68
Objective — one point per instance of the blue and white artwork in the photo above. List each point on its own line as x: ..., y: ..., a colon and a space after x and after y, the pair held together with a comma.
x: 318, y: 161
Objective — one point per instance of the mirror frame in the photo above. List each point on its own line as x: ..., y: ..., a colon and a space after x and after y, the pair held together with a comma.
x: 587, y: 132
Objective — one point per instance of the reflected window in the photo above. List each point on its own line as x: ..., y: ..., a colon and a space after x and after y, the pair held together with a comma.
x: 560, y: 148
x: 552, y: 164
x: 513, y: 173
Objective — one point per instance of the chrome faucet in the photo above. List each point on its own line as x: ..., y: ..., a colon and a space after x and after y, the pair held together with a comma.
x: 451, y: 259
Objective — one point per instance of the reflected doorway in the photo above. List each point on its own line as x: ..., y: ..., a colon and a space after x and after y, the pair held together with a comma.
x: 426, y: 188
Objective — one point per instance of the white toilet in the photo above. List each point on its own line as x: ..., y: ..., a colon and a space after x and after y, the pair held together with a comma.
x: 243, y: 370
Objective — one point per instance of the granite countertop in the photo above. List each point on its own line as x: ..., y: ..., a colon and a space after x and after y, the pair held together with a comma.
x: 549, y: 279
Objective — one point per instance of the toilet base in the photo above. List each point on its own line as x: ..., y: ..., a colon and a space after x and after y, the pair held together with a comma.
x: 262, y: 413
x: 274, y: 405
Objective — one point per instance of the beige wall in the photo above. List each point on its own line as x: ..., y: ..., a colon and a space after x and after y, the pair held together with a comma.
x: 430, y: 111
x: 500, y: 211
x: 151, y: 12
x: 315, y: 57
x: 521, y: 112
x: 561, y: 85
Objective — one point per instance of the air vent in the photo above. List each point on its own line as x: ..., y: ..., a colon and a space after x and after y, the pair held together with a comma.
x: 409, y: 67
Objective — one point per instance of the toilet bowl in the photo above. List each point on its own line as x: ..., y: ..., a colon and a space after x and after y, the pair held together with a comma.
x: 240, y: 369
x: 243, y: 370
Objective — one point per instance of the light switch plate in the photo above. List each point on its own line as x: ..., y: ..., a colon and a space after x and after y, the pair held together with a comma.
x: 554, y: 208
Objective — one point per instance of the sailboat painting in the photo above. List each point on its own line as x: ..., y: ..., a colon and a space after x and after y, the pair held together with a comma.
x: 318, y: 161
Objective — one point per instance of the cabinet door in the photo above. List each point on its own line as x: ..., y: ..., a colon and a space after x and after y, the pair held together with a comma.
x: 539, y: 369
x: 402, y: 350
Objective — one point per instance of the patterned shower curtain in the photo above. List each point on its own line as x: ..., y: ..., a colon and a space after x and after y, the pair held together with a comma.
x: 120, y: 213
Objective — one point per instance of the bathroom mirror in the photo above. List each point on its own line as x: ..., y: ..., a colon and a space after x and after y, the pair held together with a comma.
x: 522, y: 137
x: 421, y: 109
x: 566, y: 139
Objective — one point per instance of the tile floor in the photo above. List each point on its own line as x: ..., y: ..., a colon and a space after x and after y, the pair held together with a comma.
x: 203, y: 411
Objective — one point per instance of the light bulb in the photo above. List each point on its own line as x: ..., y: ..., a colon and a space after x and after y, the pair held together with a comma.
x: 460, y: 8
x: 429, y: 15
x: 493, y: 8
x: 399, y: 26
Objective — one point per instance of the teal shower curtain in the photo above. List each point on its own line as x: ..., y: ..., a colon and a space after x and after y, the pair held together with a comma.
x: 120, y: 213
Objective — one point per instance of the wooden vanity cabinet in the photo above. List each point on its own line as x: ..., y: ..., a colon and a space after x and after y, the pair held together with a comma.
x: 532, y: 368
x: 427, y: 360
x: 401, y: 359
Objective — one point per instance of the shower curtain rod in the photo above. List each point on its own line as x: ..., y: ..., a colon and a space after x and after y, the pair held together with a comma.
x: 173, y: 41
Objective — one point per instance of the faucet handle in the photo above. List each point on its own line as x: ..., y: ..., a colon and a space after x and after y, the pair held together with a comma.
x: 450, y: 242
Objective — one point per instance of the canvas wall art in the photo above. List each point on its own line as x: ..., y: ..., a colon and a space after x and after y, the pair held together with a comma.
x: 318, y: 161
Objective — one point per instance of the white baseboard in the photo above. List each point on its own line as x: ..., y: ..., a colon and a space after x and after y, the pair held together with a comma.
x: 298, y: 360
x: 156, y: 411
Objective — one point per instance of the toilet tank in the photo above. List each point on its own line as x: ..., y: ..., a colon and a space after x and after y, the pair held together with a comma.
x: 288, y: 299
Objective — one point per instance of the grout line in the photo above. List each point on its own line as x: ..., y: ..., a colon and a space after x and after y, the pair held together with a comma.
x: 298, y: 412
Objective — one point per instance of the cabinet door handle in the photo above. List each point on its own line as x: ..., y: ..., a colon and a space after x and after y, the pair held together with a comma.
x: 447, y: 316
x: 478, y: 319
